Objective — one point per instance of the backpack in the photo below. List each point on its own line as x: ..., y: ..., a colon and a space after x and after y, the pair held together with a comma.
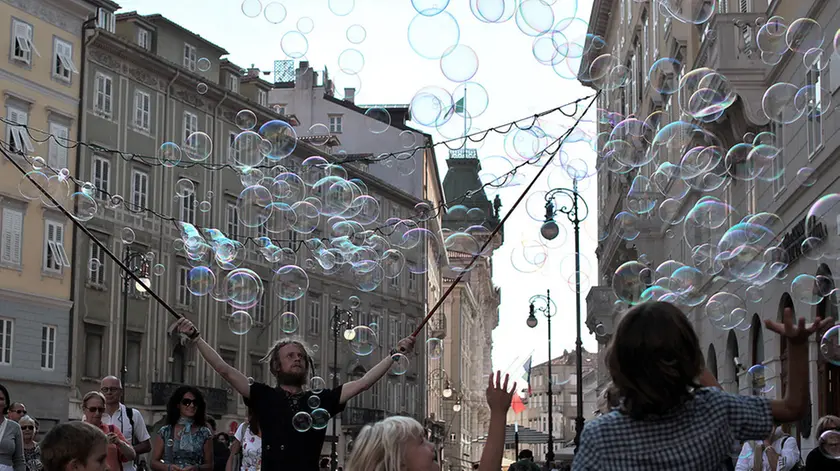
x: 799, y: 466
x: 138, y: 465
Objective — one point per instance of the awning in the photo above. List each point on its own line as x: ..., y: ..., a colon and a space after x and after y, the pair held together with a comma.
x: 526, y: 436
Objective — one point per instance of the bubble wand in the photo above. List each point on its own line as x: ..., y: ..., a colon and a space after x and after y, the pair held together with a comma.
x: 496, y: 229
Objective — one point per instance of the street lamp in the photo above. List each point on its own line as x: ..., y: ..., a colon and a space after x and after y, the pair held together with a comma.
x: 139, y: 265
x: 341, y: 318
x: 549, y: 230
x: 457, y: 406
x: 548, y: 311
x: 447, y: 390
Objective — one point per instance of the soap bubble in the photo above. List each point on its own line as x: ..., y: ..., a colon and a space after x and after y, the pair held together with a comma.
x: 302, y: 421
x: 399, y: 364
x: 317, y: 384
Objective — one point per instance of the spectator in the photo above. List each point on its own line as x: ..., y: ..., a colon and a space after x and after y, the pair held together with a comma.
x: 16, y: 411
x: 776, y: 453
x: 817, y: 459
x: 127, y: 420
x: 324, y: 464
x: 221, y: 450
x: 11, y: 438
x: 119, y: 450
x: 186, y: 425
x: 31, y: 449
x: 667, y: 420
x: 74, y: 446
x: 400, y: 443
x: 211, y: 424
x: 524, y: 461
x: 247, y: 444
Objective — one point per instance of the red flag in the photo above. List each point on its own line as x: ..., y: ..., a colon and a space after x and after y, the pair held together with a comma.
x: 517, y: 404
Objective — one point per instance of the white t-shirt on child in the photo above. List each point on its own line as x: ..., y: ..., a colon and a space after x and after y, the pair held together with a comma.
x: 251, y: 448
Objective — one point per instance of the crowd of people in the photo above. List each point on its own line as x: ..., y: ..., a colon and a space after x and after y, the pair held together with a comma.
x: 663, y: 411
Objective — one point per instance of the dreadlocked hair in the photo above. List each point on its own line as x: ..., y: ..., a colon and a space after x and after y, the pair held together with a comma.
x: 274, y: 363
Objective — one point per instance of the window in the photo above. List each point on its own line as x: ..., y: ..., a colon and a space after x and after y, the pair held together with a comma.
x: 54, y: 255
x: 48, y: 347
x: 229, y: 356
x: 814, y: 113
x: 233, y: 83
x: 188, y: 209
x: 190, y: 125
x: 262, y: 98
x: 644, y: 45
x: 144, y: 38
x: 376, y: 318
x: 7, y: 328
x: 63, y: 66
x: 779, y: 160
x: 93, y: 351
x: 17, y: 137
x: 12, y: 241
x: 96, y: 271
x: 393, y: 325
x: 335, y: 124
x: 292, y: 238
x: 395, y: 283
x: 232, y: 221
x: 259, y: 310
x: 262, y: 229
x: 280, y: 109
x: 22, y: 45
x: 290, y: 306
x: 182, y: 293
x: 106, y: 20
x: 142, y: 110
x: 256, y: 368
x: 189, y: 57
x: 314, y: 314
x: 139, y: 189
x: 57, y: 156
x: 412, y: 282
x: 101, y: 177
x: 133, y: 346
x: 103, y: 93
x: 375, y: 394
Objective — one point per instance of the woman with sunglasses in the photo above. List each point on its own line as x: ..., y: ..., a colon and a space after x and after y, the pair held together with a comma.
x: 11, y: 439
x: 31, y: 449
x: 119, y: 450
x: 185, y: 442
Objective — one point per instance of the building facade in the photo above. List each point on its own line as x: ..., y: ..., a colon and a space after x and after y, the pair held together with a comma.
x: 149, y: 81
x: 730, y: 43
x: 41, y: 86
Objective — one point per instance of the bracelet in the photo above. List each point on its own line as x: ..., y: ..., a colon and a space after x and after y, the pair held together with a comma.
x: 194, y: 335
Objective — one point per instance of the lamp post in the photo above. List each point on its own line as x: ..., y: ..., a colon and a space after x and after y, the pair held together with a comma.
x: 548, y: 311
x: 549, y: 230
x: 340, y: 318
x: 139, y: 265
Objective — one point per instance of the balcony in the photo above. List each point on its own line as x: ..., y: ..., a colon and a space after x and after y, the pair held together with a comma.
x: 437, y: 326
x: 600, y: 309
x: 729, y: 46
x: 216, y: 399
x: 360, y: 416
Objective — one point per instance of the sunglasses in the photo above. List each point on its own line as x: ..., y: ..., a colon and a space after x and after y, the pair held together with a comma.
x: 27, y: 427
x: 188, y: 402
x: 96, y: 410
x: 109, y: 390
x: 19, y: 411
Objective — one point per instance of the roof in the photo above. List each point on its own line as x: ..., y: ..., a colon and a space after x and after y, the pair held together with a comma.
x: 399, y: 124
x: 570, y: 358
x: 227, y: 64
x: 158, y: 18
x: 599, y: 20
x: 322, y: 140
x: 107, y: 4
x: 134, y: 16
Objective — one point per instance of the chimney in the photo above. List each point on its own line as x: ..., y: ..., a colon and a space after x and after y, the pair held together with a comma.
x: 252, y: 72
x: 350, y: 95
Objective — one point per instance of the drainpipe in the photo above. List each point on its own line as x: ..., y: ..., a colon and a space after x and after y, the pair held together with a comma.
x: 79, y: 138
x: 163, y: 133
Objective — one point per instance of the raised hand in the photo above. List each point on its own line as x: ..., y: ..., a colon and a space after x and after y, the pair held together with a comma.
x: 498, y: 395
x: 406, y: 345
x: 186, y: 327
x: 796, y: 333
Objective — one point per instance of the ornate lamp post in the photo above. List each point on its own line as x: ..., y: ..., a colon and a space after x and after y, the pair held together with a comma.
x: 550, y: 230
x: 547, y: 309
x: 341, y: 319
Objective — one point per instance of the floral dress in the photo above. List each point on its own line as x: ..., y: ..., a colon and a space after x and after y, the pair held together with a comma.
x: 251, y: 448
x: 186, y: 450
x: 32, y: 457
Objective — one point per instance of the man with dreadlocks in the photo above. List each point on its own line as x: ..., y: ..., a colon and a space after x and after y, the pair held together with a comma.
x: 287, y: 445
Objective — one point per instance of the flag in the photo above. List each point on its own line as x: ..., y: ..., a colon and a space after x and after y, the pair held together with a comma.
x: 516, y: 403
x: 527, y: 367
x: 452, y: 110
x: 459, y: 105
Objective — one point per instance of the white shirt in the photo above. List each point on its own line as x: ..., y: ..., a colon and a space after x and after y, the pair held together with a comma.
x: 120, y: 420
x: 251, y: 448
x: 788, y: 456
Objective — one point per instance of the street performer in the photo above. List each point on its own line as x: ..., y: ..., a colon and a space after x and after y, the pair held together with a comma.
x: 284, y: 446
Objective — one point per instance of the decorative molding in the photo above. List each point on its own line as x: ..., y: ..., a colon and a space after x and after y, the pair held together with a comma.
x: 144, y: 77
x: 36, y: 299
x: 49, y: 14
x: 70, y: 116
x: 104, y: 59
x: 16, y: 96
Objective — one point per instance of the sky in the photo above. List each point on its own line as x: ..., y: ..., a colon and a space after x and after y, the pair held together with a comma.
x: 518, y: 86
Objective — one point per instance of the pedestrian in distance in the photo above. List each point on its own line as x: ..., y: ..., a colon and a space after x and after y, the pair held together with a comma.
x: 400, y: 443
x: 287, y: 443
x: 127, y: 420
x: 667, y: 419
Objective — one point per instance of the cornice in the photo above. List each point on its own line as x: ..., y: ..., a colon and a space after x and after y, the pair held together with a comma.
x: 36, y: 299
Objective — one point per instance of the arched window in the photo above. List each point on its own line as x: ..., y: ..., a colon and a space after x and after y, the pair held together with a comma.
x: 730, y: 378
x: 756, y: 341
x: 178, y: 373
x: 711, y: 360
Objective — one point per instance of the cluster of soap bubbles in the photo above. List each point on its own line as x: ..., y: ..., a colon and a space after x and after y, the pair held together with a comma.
x: 314, y: 416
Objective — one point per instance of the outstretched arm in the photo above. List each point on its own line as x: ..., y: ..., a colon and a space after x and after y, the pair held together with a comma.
x: 230, y: 374
x: 354, y: 388
x: 498, y: 398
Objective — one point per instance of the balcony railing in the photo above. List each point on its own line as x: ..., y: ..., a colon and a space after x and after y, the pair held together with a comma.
x: 359, y: 416
x: 216, y: 399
